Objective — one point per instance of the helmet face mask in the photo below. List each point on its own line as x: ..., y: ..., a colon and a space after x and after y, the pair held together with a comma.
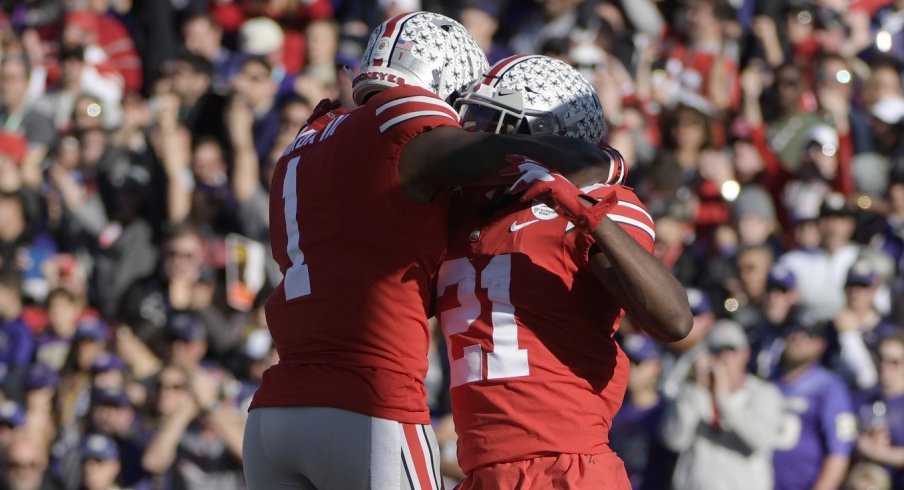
x: 488, y: 110
x: 422, y: 49
x: 533, y: 95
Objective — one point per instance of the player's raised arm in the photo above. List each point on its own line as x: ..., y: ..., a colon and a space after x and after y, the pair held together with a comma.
x: 525, y: 104
x: 650, y: 295
x: 450, y: 155
x: 648, y: 292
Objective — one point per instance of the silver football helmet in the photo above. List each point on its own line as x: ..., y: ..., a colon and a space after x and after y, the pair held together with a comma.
x: 533, y: 94
x: 423, y: 49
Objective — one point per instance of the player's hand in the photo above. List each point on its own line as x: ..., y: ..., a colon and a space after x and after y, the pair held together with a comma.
x: 557, y: 192
x: 529, y: 171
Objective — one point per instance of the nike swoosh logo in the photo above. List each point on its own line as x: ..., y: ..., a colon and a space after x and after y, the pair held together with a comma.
x: 517, y: 226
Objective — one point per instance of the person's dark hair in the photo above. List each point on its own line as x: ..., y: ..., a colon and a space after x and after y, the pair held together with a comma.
x: 10, y: 278
x: 206, y: 17
x: 295, y: 98
x: 556, y: 46
x: 199, y: 64
x: 185, y: 230
x: 260, y: 60
x: 825, y: 58
x: 723, y: 10
x: 885, y: 61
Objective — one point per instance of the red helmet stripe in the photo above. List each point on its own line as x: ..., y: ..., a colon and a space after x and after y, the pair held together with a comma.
x: 502, y: 66
x: 390, y: 31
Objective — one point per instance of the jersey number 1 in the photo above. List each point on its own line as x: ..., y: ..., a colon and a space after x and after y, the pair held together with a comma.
x: 297, y: 282
x: 506, y: 360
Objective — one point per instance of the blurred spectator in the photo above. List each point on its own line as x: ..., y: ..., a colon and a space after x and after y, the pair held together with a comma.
x: 113, y: 416
x: 54, y: 342
x: 755, y: 218
x: 318, y: 80
x: 100, y: 463
x: 17, y: 116
x: 748, y: 292
x: 24, y: 465
x: 198, y: 442
x: 199, y: 107
x: 821, y: 272
x: 257, y: 91
x: 12, y: 419
x: 553, y: 19
x: 106, y: 41
x: 780, y: 309
x: 125, y: 251
x: 263, y: 38
x: 860, y: 326
x: 481, y: 18
x: 40, y: 388
x: 881, y: 437
x: 817, y: 176
x: 187, y: 341
x: 835, y: 85
x: 724, y: 424
x: 184, y: 282
x: 678, y: 360
x: 635, y: 435
x: 74, y: 392
x: 702, y: 61
x: 887, y: 125
x: 204, y: 37
x: 890, y: 239
x: 818, y: 424
x: 789, y: 117
x: 18, y: 344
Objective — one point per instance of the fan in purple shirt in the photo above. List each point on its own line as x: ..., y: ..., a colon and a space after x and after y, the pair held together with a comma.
x: 881, y: 438
x: 819, y: 424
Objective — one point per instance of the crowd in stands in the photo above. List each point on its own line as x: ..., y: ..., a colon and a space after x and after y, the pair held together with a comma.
x: 137, y: 138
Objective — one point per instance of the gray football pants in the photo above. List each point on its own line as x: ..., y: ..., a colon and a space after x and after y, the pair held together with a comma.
x: 332, y: 449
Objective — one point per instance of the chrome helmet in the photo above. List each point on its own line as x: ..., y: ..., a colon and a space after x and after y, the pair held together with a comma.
x: 423, y: 49
x: 533, y: 94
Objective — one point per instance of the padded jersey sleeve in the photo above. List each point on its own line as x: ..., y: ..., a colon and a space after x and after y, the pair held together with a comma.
x: 404, y: 112
x: 630, y: 214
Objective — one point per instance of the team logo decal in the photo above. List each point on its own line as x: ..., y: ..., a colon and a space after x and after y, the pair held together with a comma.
x: 544, y: 212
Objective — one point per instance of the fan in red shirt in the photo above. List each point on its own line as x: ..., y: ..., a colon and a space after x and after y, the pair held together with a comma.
x: 114, y: 45
x: 531, y: 292
x: 359, y: 219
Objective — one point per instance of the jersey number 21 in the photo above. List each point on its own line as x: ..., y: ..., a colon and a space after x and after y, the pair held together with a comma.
x: 506, y: 360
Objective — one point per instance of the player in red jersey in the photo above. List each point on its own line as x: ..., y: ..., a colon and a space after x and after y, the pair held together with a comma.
x: 359, y: 223
x: 531, y: 292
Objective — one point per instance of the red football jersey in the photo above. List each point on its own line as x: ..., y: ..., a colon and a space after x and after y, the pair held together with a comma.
x: 529, y: 328
x: 350, y: 317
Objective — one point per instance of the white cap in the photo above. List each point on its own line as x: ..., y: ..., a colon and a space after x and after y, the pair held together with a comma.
x: 824, y: 135
x: 889, y: 110
x: 258, y: 344
x: 726, y: 334
x: 260, y: 36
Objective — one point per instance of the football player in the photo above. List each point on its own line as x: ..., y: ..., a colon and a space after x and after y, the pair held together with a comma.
x: 531, y: 292
x: 359, y: 225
